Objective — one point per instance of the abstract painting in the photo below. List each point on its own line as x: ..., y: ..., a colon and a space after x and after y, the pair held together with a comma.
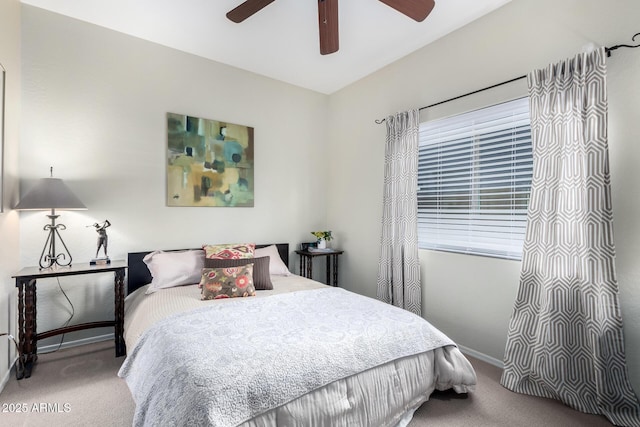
x: 209, y: 162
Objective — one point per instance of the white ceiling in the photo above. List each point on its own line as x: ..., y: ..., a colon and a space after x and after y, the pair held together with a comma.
x: 280, y: 41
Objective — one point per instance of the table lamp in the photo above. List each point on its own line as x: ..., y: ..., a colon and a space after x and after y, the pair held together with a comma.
x: 51, y: 193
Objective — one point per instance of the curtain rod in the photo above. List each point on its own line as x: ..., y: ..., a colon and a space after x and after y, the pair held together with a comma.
x: 612, y: 48
x: 608, y: 50
x: 380, y: 121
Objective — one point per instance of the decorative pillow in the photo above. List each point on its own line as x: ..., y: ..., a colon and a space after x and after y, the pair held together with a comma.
x: 227, y: 282
x: 261, y: 277
x: 176, y: 268
x: 229, y: 251
x: 277, y: 267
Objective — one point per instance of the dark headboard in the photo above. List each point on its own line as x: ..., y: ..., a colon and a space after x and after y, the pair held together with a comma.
x: 139, y: 275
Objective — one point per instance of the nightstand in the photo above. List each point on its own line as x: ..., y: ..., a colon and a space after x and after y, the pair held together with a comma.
x: 28, y: 335
x: 306, y: 264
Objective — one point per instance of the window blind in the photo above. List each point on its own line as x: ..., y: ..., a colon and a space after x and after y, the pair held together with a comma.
x: 474, y: 180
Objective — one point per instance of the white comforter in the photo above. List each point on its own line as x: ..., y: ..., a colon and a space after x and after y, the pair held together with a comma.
x: 229, y: 362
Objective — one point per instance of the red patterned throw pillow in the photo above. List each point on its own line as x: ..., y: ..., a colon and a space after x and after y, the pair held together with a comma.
x: 227, y: 282
x: 229, y: 251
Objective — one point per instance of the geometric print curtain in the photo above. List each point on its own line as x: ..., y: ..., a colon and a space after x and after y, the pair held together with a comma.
x: 565, y: 337
x: 399, y: 266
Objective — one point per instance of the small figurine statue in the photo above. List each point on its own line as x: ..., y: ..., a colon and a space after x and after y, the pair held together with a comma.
x: 103, y: 239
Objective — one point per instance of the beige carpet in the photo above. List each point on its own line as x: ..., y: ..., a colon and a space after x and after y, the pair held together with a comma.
x: 79, y: 387
x: 84, y: 378
x: 493, y: 405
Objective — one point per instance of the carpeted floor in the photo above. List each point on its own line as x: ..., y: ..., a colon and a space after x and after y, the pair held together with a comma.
x: 492, y: 405
x: 79, y: 387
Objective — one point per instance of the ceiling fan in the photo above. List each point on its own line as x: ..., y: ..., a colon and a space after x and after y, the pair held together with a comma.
x: 328, y: 16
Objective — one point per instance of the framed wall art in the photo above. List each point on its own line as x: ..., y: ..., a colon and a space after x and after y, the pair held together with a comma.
x: 209, y: 162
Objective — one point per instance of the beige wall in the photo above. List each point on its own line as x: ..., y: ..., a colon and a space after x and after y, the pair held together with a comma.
x: 624, y: 136
x: 470, y: 298
x: 9, y: 227
x: 95, y: 104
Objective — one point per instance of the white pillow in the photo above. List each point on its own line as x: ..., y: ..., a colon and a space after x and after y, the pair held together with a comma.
x: 170, y: 269
x: 277, y: 267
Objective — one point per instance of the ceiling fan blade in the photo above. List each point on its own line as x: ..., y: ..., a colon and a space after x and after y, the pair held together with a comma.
x: 246, y: 9
x: 328, y: 26
x: 414, y: 9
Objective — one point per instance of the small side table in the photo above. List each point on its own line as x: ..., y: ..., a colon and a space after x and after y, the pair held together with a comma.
x: 28, y: 335
x: 306, y: 264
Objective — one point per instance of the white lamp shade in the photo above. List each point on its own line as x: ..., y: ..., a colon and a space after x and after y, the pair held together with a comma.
x: 50, y: 193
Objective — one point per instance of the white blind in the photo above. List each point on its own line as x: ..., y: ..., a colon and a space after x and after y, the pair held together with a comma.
x: 474, y: 180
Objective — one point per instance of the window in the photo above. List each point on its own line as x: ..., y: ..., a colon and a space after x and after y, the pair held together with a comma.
x: 474, y: 180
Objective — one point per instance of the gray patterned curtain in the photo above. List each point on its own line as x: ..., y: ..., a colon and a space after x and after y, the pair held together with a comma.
x: 565, y: 335
x: 399, y: 267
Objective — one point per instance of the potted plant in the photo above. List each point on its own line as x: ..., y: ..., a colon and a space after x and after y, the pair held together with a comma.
x: 323, y: 237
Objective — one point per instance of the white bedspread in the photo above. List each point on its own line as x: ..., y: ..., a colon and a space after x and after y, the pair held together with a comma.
x: 142, y: 310
x: 266, y: 352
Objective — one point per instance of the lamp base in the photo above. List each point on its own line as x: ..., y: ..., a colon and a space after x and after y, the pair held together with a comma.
x: 50, y: 259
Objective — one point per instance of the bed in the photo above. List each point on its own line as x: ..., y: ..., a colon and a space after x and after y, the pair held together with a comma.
x: 299, y: 354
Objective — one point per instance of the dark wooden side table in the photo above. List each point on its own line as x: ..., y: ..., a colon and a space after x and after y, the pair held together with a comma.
x: 306, y: 264
x: 28, y: 335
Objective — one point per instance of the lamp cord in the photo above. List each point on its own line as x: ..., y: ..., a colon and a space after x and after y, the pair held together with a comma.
x: 12, y: 338
x: 73, y: 311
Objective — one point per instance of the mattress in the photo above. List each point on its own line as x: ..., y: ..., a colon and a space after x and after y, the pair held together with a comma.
x: 385, y: 395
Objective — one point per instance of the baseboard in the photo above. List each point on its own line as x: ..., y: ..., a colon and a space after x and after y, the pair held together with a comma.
x: 481, y: 356
x: 75, y: 343
x: 7, y: 375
